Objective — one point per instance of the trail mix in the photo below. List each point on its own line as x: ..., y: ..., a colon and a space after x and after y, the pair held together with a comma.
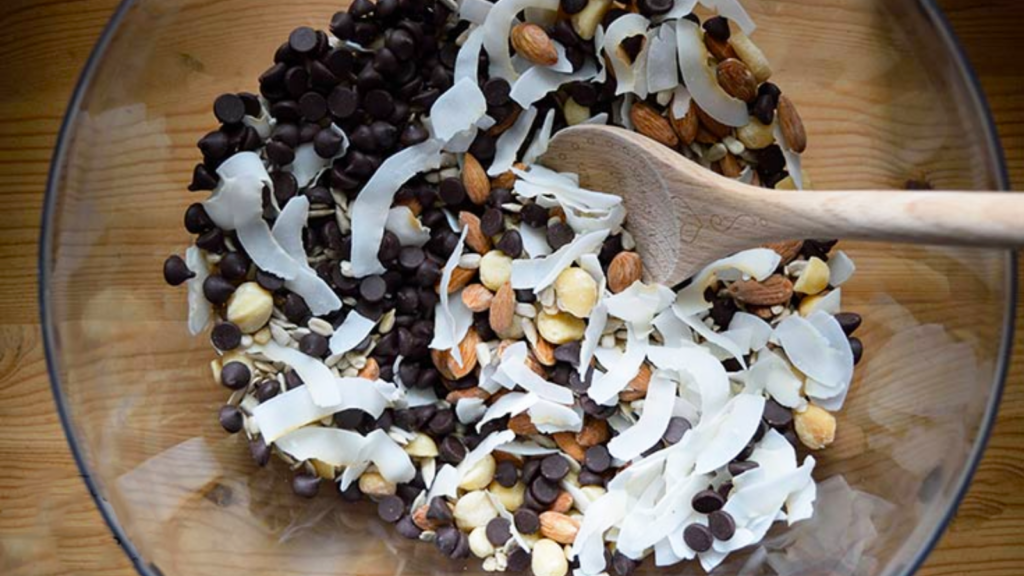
x: 405, y: 304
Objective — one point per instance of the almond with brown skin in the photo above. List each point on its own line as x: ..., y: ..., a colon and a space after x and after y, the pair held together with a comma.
x: 522, y: 425
x: 625, y: 269
x: 704, y: 136
x: 504, y: 180
x: 594, y: 432
x: 446, y: 364
x: 475, y: 238
x: 730, y: 166
x: 559, y: 527
x: 737, y: 80
x: 419, y: 518
x: 719, y: 49
x: 787, y: 249
x: 475, y: 392
x: 567, y: 443
x: 535, y: 366
x: 687, y: 126
x: 503, y: 310
x: 371, y: 371
x: 563, y: 503
x: 637, y: 387
x: 776, y: 289
x: 792, y: 126
x: 533, y: 43
x: 763, y: 312
x: 652, y: 124
x: 474, y: 178
x: 506, y: 123
x: 461, y: 277
x: 544, y: 352
x: 500, y: 457
x: 713, y: 126
x: 477, y: 297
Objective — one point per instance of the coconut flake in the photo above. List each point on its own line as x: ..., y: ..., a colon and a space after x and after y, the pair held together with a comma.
x: 662, y: 67
x: 680, y: 102
x: 652, y: 423
x: 793, y: 164
x: 526, y: 449
x: 538, y: 81
x: 716, y: 338
x: 565, y: 189
x: 351, y: 333
x: 295, y: 408
x: 446, y: 483
x: 563, y: 64
x: 758, y: 263
x: 733, y: 428
x: 602, y: 514
x: 674, y: 333
x: 332, y: 446
x: 550, y: 417
x: 390, y: 459
x: 539, y: 273
x: 734, y: 11
x: 818, y: 347
x: 503, y: 512
x: 592, y: 336
x: 679, y: 9
x: 199, y: 309
x: 605, y: 388
x: 841, y: 268
x: 238, y: 196
x: 760, y: 330
x: 369, y: 211
x: 447, y: 328
x: 830, y: 303
x: 599, y: 119
x: 287, y: 232
x: 317, y: 376
x: 539, y: 145
x: 639, y: 304
x: 469, y: 410
x: 535, y: 242
x: 698, y: 370
x: 474, y: 11
x: 511, y: 404
x: 624, y: 27
x: 497, y: 28
x: 403, y: 223
x: 458, y: 109
x: 583, y: 222
x: 508, y: 144
x: 701, y: 80
x: 515, y: 371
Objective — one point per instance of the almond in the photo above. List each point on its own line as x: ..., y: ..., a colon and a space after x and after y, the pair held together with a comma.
x: 652, y: 124
x: 535, y: 366
x: 504, y: 180
x: 522, y: 425
x: 776, y: 289
x: 500, y: 457
x: 475, y: 238
x: 687, y: 126
x: 763, y: 312
x: 544, y: 352
x: 454, y: 396
x: 713, y: 126
x: 792, y: 126
x: 446, y: 364
x: 503, y: 308
x: 625, y: 269
x: 737, y: 80
x: 419, y: 518
x: 567, y: 443
x: 637, y: 387
x: 563, y: 503
x: 474, y: 178
x: 559, y: 527
x: 506, y: 123
x: 533, y: 43
x: 704, y: 136
x: 411, y: 203
x: 730, y: 166
x: 460, y: 278
x: 477, y: 297
x: 371, y: 371
x: 719, y: 49
x: 594, y: 432
x: 497, y: 396
x: 787, y: 249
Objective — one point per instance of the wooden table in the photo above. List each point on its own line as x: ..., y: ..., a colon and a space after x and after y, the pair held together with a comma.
x: 48, y: 523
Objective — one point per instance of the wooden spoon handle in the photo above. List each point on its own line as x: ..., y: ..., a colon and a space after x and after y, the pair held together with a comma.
x: 933, y: 217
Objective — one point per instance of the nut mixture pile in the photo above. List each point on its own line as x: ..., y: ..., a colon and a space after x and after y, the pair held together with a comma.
x: 405, y: 304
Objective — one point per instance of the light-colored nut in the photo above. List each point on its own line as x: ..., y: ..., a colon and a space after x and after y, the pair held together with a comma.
x: 810, y: 304
x: 814, y: 277
x: 574, y: 112
x: 262, y: 336
x: 787, y: 249
x: 548, y: 558
x: 250, y: 307
x: 477, y: 297
x: 792, y: 126
x: 593, y: 492
x: 460, y: 278
x: 522, y: 425
x: 475, y: 238
x: 751, y: 55
x: 594, y: 432
x: 567, y: 443
x: 815, y: 427
x: 479, y: 475
x: 474, y: 509
x: 788, y: 183
x: 736, y: 79
x: 558, y: 527
x: 563, y: 503
x: 475, y: 392
x: 775, y: 289
x: 533, y: 43
x: 510, y: 498
x: 560, y: 328
x: 576, y: 292
x: 479, y: 545
x: 585, y: 21
x: 371, y: 371
x: 652, y: 124
x: 625, y: 269
x: 637, y: 387
x: 446, y: 363
x: 687, y: 126
x: 421, y: 446
x: 719, y: 49
x: 755, y: 136
x: 374, y: 485
x: 502, y: 313
x: 495, y: 269
x: 474, y: 178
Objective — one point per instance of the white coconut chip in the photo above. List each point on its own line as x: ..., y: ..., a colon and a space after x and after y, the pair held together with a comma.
x: 506, y: 149
x: 733, y: 428
x: 758, y: 263
x: 605, y: 388
x: 448, y: 329
x: 199, y: 309
x: 539, y: 273
x: 599, y: 119
x: 653, y: 422
x: 539, y: 145
x: 639, y: 304
x: 538, y: 81
x: 550, y: 417
x: 623, y: 114
x: 592, y: 336
x: 526, y: 449
x: 679, y: 9
x: 470, y: 410
x: 474, y: 11
x: 727, y: 344
x: 535, y: 242
x: 734, y: 11
x: 458, y: 109
x: 415, y: 397
x: 485, y: 447
x: 332, y: 446
x: 288, y: 228
x: 317, y: 376
x: 698, y: 370
x: 515, y: 372
x: 793, y: 164
x: 761, y: 331
x: 674, y: 333
x: 841, y: 268
x: 818, y: 347
x: 602, y: 514
x: 564, y: 189
x: 503, y: 512
x: 308, y: 165
x: 624, y: 27
x: 662, y: 66
x: 562, y: 64
x: 701, y: 80
x: 830, y: 303
x: 390, y: 459
x: 369, y: 211
x: 352, y: 331
x: 497, y: 28
x: 446, y: 483
x: 511, y: 404
x: 582, y: 222
x: 403, y: 223
x: 680, y: 102
x: 295, y: 409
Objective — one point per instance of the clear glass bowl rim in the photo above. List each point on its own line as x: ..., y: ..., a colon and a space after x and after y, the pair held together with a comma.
x: 46, y: 238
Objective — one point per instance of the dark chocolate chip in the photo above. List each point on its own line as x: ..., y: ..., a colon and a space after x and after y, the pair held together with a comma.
x: 858, y: 349
x: 302, y: 40
x: 737, y: 468
x: 280, y: 153
x: 390, y: 509
x: 447, y: 538
x: 295, y: 309
x: 572, y: 6
x: 519, y: 560
x: 597, y: 410
x: 718, y: 28
x: 597, y: 459
x: 707, y: 501
x: 407, y: 528
x: 492, y: 222
x: 401, y: 43
x: 217, y: 289
x: 569, y: 353
x: 764, y: 109
x: 313, y: 106
x: 176, y: 271
x: 677, y: 427
x: 506, y: 474
x: 348, y: 419
x: 313, y: 344
x: 226, y: 336
x: 543, y: 490
x: 526, y: 520
x: 212, y: 241
x: 441, y: 423
x: 229, y: 109
x: 511, y: 243
x: 267, y: 390
x: 498, y: 531
x: 234, y: 266
x: 559, y: 234
x: 231, y: 418
x: 390, y: 246
x: 235, y: 375
x: 327, y: 143
x: 722, y: 525
x: 452, y: 191
x: 588, y: 478
x: 260, y: 452
x: 848, y: 321
x: 197, y: 220
x: 361, y: 9
x: 343, y: 102
x: 452, y: 450
x: 305, y: 485
x: 776, y: 415
x: 343, y: 25
x: 554, y: 467
x: 497, y: 91
x: 698, y: 537
x: 534, y: 215
x: 372, y: 288
x: 413, y: 134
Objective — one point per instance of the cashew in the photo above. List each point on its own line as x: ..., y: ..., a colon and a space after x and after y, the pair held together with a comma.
x: 560, y: 328
x: 480, y: 475
x: 548, y: 559
x: 250, y: 307
x: 755, y: 135
x: 374, y: 485
x: 495, y: 269
x: 575, y: 113
x: 576, y: 292
x: 479, y: 544
x: 510, y: 498
x: 585, y: 21
x: 422, y: 446
x: 751, y: 55
x: 815, y: 427
x: 814, y: 277
x: 474, y: 509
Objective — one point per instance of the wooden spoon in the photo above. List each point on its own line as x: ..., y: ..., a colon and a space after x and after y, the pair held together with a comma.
x: 685, y: 216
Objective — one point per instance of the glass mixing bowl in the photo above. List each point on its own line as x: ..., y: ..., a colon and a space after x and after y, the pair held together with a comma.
x: 886, y: 96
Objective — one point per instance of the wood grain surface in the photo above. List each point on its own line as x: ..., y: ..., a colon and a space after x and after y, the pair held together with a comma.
x: 48, y: 522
